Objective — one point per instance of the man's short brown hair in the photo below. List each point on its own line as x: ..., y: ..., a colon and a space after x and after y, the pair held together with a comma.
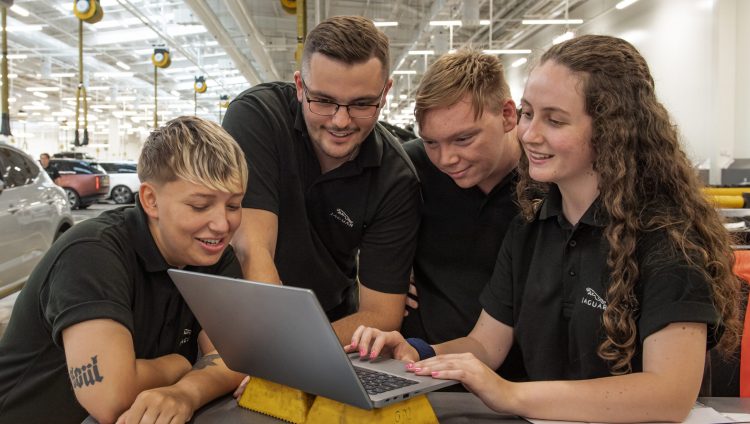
x: 455, y: 75
x: 195, y: 150
x: 348, y: 39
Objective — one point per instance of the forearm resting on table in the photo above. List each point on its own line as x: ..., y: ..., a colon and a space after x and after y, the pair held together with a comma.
x: 209, y: 379
x: 109, y: 401
x: 673, y: 361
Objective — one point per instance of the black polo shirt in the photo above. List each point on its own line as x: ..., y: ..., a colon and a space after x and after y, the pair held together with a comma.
x: 52, y: 171
x: 459, y: 236
x: 366, y: 210
x: 550, y: 284
x: 105, y: 267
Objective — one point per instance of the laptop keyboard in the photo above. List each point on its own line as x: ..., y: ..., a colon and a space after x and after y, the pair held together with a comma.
x: 378, y: 382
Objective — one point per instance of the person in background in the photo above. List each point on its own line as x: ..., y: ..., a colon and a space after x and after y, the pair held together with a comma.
x: 466, y: 161
x: 100, y: 329
x: 616, y: 284
x: 52, y: 170
x: 334, y: 201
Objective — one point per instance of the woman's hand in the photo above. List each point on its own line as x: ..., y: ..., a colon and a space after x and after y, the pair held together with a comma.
x: 477, y: 377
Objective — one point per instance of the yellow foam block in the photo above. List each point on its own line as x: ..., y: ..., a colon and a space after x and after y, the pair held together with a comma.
x: 276, y: 400
x: 726, y: 191
x: 727, y: 201
x: 416, y: 410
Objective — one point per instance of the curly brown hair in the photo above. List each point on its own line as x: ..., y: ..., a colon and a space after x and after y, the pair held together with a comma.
x: 646, y: 184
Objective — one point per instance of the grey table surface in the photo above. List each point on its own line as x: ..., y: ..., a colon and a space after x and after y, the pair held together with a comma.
x: 449, y: 407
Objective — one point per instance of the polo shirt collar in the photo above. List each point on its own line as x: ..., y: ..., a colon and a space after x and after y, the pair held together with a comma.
x: 595, y: 215
x: 145, y: 245
x: 370, y: 151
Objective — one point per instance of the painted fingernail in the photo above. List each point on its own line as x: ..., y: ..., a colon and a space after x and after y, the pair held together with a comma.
x: 435, y: 373
x: 417, y: 369
x: 362, y: 352
x: 410, y: 365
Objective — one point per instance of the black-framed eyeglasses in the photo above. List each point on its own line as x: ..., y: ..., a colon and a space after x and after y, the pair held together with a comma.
x: 329, y: 108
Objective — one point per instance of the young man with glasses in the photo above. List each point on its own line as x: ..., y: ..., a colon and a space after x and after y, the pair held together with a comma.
x: 332, y: 201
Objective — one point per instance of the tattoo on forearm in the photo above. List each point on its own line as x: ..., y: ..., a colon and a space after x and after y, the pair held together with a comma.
x: 86, y: 375
x: 206, y: 361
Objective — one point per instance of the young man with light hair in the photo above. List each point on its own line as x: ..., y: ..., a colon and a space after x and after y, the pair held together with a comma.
x: 466, y: 162
x: 100, y: 329
x: 333, y: 204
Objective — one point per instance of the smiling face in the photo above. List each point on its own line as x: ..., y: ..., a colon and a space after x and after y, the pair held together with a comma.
x: 191, y: 224
x: 473, y: 152
x: 337, y: 138
x: 555, y: 130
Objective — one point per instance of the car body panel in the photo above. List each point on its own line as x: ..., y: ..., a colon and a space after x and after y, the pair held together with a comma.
x: 123, y: 180
x: 86, y: 179
x: 33, y: 212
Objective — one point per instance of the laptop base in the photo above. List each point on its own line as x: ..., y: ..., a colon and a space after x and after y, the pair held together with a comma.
x: 416, y: 410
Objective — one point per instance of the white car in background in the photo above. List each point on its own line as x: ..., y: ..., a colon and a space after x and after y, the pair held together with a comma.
x: 123, y: 180
x: 34, y: 212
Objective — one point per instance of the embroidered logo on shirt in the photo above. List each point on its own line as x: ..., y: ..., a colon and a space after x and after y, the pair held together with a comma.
x: 186, y: 336
x: 342, y: 217
x: 593, y: 299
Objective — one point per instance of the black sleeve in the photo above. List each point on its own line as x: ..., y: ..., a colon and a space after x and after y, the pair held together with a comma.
x: 76, y: 292
x: 254, y: 123
x: 497, y: 298
x: 675, y: 292
x: 390, y: 241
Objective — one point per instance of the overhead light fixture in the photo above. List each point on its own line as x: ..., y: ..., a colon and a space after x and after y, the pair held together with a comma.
x: 563, y: 37
x: 621, y: 5
x: 18, y: 10
x: 484, y: 22
x: 25, y: 28
x: 552, y: 21
x: 507, y: 51
x: 113, y: 74
x: 445, y: 23
x: 123, y: 65
x: 42, y: 88
x: 62, y: 75
x: 40, y: 94
x: 386, y: 24
x: 17, y: 56
x: 411, y: 72
x: 518, y: 62
x: 420, y: 52
x: 98, y: 88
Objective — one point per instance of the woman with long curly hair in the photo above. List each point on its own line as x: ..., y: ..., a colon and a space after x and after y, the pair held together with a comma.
x: 614, y: 284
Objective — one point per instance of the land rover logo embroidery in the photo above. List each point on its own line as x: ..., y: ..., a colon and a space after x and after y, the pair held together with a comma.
x: 593, y: 299
x: 342, y: 217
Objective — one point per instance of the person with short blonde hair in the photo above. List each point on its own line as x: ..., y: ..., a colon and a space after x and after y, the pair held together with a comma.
x: 466, y: 162
x: 100, y: 329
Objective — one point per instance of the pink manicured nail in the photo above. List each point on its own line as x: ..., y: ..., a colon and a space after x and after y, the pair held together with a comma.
x: 417, y: 369
x: 362, y: 352
x: 434, y: 373
x: 410, y: 365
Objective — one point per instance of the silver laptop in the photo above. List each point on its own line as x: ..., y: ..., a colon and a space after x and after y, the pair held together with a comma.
x: 282, y: 334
